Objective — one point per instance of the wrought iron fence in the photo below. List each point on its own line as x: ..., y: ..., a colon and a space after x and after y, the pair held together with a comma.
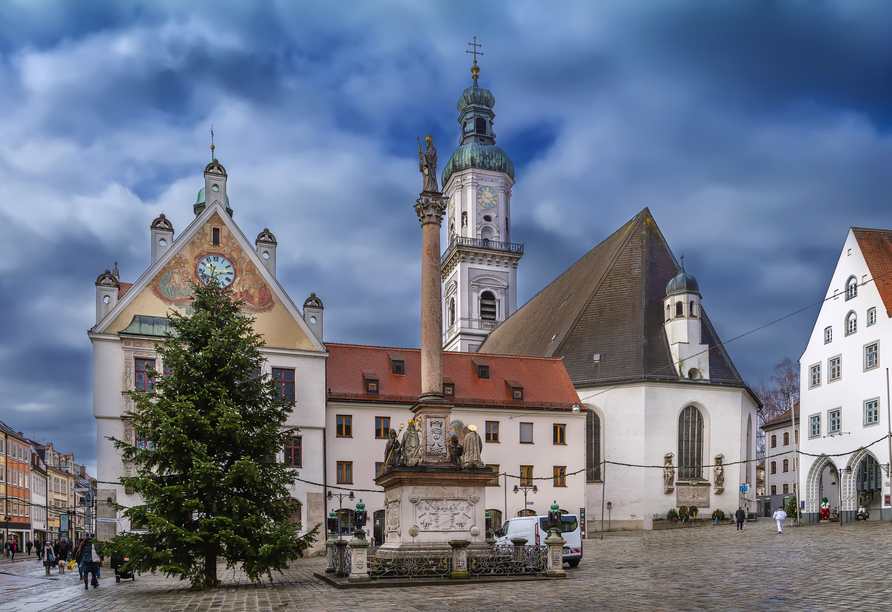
x: 507, y: 560
x: 410, y: 565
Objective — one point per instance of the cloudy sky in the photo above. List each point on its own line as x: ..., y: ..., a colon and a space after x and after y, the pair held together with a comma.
x: 756, y: 132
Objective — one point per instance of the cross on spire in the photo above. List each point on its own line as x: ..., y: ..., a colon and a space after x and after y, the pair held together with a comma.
x: 212, y: 142
x: 475, y: 70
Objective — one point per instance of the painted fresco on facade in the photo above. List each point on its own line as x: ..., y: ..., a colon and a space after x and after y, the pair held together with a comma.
x: 172, y: 284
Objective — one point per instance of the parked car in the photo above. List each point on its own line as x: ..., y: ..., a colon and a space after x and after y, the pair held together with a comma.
x: 535, y: 530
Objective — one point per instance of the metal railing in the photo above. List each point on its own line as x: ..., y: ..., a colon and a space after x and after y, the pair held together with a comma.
x: 482, y: 243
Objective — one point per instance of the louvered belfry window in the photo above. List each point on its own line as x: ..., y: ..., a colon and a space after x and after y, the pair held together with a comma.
x: 690, y: 443
x: 487, y: 306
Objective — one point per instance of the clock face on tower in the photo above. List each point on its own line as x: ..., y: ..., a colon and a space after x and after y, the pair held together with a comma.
x: 216, y: 266
x: 487, y: 197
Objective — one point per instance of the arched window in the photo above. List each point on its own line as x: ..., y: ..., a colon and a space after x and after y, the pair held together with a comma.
x: 679, y: 309
x: 690, y: 443
x: 851, y: 323
x: 487, y: 306
x: 774, y: 467
x: 668, y: 312
x: 691, y: 311
x: 345, y: 521
x: 851, y: 288
x: 869, y: 476
x: 786, y: 465
x: 480, y: 125
x: 593, y: 446
x: 451, y: 312
x: 773, y: 440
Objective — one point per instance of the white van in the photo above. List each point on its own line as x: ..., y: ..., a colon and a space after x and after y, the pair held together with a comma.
x: 535, y: 530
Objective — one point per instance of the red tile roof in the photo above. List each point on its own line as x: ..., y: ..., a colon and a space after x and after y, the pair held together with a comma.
x: 782, y: 420
x: 545, y: 381
x: 122, y: 289
x: 876, y: 246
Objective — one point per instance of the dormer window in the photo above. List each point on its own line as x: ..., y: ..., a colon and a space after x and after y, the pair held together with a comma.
x: 516, y: 390
x: 397, y: 365
x: 371, y: 382
x: 482, y: 369
x: 448, y: 387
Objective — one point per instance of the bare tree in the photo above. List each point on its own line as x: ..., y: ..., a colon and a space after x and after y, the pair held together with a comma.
x: 776, y: 397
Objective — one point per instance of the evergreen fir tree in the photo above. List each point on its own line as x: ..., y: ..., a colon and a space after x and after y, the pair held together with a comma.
x: 209, y: 482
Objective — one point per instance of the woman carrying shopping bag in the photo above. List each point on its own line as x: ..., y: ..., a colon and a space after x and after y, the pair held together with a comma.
x: 49, y: 557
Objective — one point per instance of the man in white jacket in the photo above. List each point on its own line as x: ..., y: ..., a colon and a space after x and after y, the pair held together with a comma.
x: 779, y: 516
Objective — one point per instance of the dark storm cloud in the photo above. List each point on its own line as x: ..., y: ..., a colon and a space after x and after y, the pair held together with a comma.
x: 756, y: 133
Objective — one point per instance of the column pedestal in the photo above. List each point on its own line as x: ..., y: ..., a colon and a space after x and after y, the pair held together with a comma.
x: 460, y: 559
x: 359, y: 571
x: 555, y: 544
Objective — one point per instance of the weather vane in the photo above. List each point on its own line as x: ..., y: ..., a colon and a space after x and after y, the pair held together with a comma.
x: 212, y: 142
x: 475, y: 70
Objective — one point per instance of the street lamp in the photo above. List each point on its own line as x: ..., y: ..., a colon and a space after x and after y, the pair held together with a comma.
x: 340, y: 497
x: 526, y: 489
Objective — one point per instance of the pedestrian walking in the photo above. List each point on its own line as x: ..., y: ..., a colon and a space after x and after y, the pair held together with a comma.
x: 779, y: 516
x: 740, y: 515
x: 89, y: 559
x: 62, y: 553
x: 28, y: 546
x: 13, y: 549
x: 6, y: 547
x: 49, y: 557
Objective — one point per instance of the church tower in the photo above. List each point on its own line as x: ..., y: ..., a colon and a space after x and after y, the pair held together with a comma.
x: 479, y: 267
x: 682, y: 306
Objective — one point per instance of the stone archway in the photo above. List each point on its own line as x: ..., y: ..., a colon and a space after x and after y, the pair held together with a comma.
x: 850, y: 497
x: 813, y: 484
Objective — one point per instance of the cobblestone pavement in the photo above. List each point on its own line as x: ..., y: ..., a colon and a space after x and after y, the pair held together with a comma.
x: 813, y: 568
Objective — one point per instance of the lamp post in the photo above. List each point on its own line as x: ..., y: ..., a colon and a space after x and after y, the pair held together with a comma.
x: 526, y: 489
x: 340, y: 497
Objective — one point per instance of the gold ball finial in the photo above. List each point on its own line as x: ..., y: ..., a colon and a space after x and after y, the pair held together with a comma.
x: 475, y: 72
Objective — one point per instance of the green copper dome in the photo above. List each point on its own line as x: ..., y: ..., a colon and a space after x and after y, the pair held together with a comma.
x: 475, y: 96
x: 200, y: 202
x: 477, y: 155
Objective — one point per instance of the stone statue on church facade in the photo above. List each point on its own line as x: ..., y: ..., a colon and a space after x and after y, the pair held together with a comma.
x: 471, y: 447
x: 392, y: 454
x: 668, y: 473
x: 718, y: 474
x: 411, y: 446
x: 427, y: 165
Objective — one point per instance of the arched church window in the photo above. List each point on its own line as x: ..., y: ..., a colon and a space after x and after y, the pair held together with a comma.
x: 679, y: 309
x: 690, y: 443
x: 592, y: 446
x: 691, y: 310
x: 451, y: 315
x: 487, y: 306
x: 480, y: 125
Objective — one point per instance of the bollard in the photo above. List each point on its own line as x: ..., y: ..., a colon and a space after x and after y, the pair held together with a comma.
x: 519, y: 543
x: 459, y: 559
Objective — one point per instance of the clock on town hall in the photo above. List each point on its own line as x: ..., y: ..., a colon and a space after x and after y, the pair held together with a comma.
x: 216, y: 265
x: 487, y: 197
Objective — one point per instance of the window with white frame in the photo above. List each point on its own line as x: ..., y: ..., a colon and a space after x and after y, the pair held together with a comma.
x: 814, y: 375
x: 871, y: 317
x: 872, y: 412
x: 851, y: 323
x: 851, y: 288
x: 835, y: 368
x: 871, y: 355
x: 828, y: 335
x: 834, y: 422
x: 814, y: 426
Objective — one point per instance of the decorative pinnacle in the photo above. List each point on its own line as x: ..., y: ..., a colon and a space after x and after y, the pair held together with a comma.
x: 555, y: 507
x: 360, y: 505
x: 475, y: 69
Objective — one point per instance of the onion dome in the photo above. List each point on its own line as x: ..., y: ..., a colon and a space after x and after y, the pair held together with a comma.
x: 682, y: 283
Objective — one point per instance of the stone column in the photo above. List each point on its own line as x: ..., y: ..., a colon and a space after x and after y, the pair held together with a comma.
x: 459, y: 559
x: 359, y: 571
x: 519, y: 543
x: 340, y: 554
x: 430, y: 208
x: 555, y: 559
x: 331, y: 553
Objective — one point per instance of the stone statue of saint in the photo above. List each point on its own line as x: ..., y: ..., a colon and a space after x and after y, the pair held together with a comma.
x: 427, y: 165
x: 718, y: 473
x: 455, y: 452
x: 668, y: 472
x: 411, y: 446
x: 392, y: 454
x: 471, y: 448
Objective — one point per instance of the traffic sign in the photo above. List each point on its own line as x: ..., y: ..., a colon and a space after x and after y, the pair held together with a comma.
x: 106, y: 520
x: 744, y: 488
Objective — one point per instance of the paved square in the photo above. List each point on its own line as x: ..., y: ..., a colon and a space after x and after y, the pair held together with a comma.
x: 709, y: 568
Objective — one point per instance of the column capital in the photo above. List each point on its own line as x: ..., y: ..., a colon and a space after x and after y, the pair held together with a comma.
x: 431, y: 207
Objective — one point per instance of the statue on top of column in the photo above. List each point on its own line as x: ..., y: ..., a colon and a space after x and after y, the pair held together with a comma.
x: 427, y: 165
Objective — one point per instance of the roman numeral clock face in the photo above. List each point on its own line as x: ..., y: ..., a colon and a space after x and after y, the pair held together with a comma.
x: 217, y: 266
